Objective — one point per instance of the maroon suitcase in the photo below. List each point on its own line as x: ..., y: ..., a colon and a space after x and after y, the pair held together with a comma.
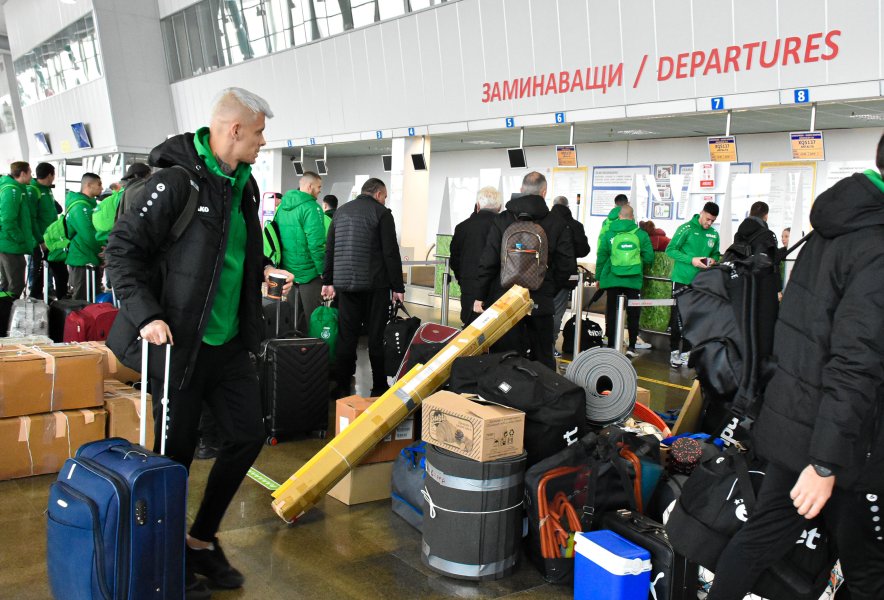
x: 427, y: 341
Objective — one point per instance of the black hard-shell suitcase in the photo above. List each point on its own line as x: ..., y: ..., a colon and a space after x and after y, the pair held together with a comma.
x: 294, y: 387
x: 58, y: 315
x: 673, y: 577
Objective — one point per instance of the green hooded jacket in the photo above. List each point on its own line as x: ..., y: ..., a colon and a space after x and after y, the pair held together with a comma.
x: 614, y: 215
x: 607, y: 279
x: 302, y: 235
x: 16, y: 226
x: 43, y: 211
x: 84, y: 248
x: 691, y: 240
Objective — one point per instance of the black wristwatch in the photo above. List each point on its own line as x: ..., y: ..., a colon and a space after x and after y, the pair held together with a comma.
x: 822, y: 471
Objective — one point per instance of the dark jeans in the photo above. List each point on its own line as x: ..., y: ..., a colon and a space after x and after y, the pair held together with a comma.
x: 633, y: 314
x: 531, y: 334
x: 223, y: 379
x: 675, y: 340
x: 59, y: 272
x: 354, y: 310
x: 12, y: 274
x: 776, y: 525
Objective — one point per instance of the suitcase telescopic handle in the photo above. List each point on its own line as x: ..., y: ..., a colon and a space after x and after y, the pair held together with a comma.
x: 145, y: 345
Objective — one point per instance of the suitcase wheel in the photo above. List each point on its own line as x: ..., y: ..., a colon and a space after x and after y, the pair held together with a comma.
x: 321, y: 434
x: 272, y: 441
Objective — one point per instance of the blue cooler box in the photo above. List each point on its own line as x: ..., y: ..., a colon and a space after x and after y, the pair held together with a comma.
x: 608, y: 567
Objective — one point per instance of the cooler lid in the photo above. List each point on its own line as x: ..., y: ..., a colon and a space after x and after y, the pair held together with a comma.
x: 613, y: 553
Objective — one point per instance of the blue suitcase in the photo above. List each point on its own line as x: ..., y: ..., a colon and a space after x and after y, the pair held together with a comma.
x: 117, y: 524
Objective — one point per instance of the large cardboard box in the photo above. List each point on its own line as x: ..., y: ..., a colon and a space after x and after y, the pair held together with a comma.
x: 25, y: 382
x: 643, y: 396
x: 77, y: 375
x: 349, y: 408
x: 124, y: 417
x: 303, y: 489
x: 39, y: 444
x: 113, y: 368
x: 468, y: 426
x: 365, y: 483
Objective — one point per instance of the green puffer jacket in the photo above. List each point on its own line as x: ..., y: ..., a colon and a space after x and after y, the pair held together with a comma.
x: 16, y: 228
x: 43, y: 211
x: 302, y: 235
x: 691, y: 240
x: 84, y: 248
x: 607, y: 279
x: 612, y: 217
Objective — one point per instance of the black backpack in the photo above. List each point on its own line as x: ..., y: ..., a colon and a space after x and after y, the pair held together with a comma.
x: 590, y: 334
x: 397, y: 337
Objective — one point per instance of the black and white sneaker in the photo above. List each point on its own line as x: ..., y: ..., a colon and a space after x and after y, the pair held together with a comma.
x: 213, y: 565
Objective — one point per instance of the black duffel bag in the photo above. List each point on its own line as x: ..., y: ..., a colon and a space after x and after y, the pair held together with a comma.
x: 397, y: 337
x: 590, y: 335
x: 555, y: 408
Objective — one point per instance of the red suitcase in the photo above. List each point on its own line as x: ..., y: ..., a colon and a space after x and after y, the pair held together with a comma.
x: 427, y: 341
x: 91, y: 323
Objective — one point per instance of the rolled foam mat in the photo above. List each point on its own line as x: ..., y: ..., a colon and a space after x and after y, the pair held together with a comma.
x: 602, y: 370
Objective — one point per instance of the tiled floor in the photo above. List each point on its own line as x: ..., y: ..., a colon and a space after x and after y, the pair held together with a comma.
x: 361, y: 552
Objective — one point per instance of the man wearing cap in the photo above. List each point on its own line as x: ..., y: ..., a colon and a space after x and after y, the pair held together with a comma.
x: 693, y: 247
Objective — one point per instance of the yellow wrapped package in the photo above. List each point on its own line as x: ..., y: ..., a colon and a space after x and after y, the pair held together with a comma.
x: 329, y: 465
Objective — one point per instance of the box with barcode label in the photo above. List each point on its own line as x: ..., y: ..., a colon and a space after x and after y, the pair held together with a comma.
x: 346, y: 411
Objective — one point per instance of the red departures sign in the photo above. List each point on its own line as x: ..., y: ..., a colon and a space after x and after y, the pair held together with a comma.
x: 699, y: 63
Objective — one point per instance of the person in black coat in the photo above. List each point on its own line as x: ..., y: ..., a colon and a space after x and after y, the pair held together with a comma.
x: 202, y: 292
x: 533, y: 335
x: 581, y: 249
x: 466, y: 247
x: 821, y: 425
x: 362, y: 268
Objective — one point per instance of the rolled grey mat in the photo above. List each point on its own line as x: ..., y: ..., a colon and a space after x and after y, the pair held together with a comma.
x: 601, y: 370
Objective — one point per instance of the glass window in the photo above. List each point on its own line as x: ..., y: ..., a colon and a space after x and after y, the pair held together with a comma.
x: 391, y: 8
x: 68, y: 59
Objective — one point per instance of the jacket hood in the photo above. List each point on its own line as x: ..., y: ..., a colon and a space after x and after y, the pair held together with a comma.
x: 615, y: 213
x: 72, y: 196
x: 533, y: 206
x: 177, y: 150
x: 851, y: 204
x: 561, y: 208
x: 622, y: 225
x: 294, y: 198
x: 750, y: 227
x: 7, y: 179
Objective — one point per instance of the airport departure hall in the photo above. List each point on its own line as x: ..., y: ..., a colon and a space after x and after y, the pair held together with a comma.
x: 424, y: 299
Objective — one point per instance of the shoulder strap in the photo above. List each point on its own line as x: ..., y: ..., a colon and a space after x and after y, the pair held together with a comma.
x: 186, y: 216
x: 797, y: 244
x: 68, y: 209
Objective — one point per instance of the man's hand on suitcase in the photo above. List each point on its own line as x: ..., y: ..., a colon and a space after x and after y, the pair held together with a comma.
x: 157, y: 332
x: 289, y: 278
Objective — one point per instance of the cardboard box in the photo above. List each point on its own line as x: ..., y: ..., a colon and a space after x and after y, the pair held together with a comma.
x: 113, y: 368
x: 124, y: 418
x: 39, y: 444
x: 346, y: 411
x: 365, y: 483
x: 25, y: 383
x: 643, y: 396
x: 77, y: 375
x: 473, y: 428
x: 303, y: 489
x: 112, y: 387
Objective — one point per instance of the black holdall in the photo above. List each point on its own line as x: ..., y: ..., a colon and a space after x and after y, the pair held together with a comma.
x: 590, y: 334
x: 397, y: 337
x: 467, y: 370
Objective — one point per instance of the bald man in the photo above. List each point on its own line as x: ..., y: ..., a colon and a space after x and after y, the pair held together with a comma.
x: 200, y: 291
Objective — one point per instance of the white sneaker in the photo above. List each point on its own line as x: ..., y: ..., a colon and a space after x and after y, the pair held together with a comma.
x: 640, y: 344
x: 630, y: 353
x: 685, y: 357
x: 675, y: 359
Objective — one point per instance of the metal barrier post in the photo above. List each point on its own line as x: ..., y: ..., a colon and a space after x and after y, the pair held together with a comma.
x: 446, y: 282
x: 621, y: 316
x: 577, y: 309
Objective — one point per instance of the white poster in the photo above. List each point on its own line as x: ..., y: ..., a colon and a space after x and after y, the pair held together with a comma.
x: 608, y: 182
x: 784, y: 188
x: 836, y: 171
x: 569, y: 183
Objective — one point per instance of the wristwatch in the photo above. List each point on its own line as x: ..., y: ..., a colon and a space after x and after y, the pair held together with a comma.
x: 822, y: 471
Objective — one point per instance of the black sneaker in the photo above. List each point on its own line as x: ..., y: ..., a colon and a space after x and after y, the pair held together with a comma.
x: 205, y: 451
x: 213, y: 565
x: 195, y: 588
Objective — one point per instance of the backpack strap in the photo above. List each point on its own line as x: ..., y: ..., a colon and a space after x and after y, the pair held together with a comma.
x: 186, y: 216
x: 797, y: 245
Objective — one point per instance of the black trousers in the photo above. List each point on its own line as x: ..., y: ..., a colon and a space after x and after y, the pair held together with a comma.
x: 532, y: 337
x: 61, y: 277
x: 356, y: 309
x: 850, y: 517
x: 633, y: 314
x: 224, y: 378
x: 675, y: 340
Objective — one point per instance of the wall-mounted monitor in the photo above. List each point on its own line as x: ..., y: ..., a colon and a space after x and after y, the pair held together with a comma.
x: 517, y: 158
x: 42, y: 142
x: 81, y: 136
x: 298, y: 166
x: 388, y: 162
x: 321, y: 168
x: 419, y: 162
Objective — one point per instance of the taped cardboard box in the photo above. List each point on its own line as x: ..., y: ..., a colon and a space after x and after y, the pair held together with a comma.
x: 303, y: 489
x: 77, y: 375
x: 25, y: 382
x: 124, y: 418
x: 349, y: 408
x: 365, y: 483
x: 113, y: 368
x: 39, y: 444
x: 112, y: 387
x: 479, y: 430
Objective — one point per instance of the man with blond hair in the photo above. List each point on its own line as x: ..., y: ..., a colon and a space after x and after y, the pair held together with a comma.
x: 466, y: 248
x: 202, y: 290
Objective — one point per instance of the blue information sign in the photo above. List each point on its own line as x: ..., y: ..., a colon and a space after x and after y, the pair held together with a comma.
x: 560, y: 117
x: 411, y: 131
x: 510, y: 122
x: 718, y: 103
x: 802, y: 96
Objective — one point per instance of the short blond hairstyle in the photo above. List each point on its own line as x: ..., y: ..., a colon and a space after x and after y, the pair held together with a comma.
x: 488, y: 197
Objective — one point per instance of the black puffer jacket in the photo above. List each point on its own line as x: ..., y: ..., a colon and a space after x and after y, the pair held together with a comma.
x: 825, y: 402
x: 466, y: 250
x: 562, y: 262
x: 179, y: 285
x: 755, y: 232
x: 581, y: 242
x: 361, y: 252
